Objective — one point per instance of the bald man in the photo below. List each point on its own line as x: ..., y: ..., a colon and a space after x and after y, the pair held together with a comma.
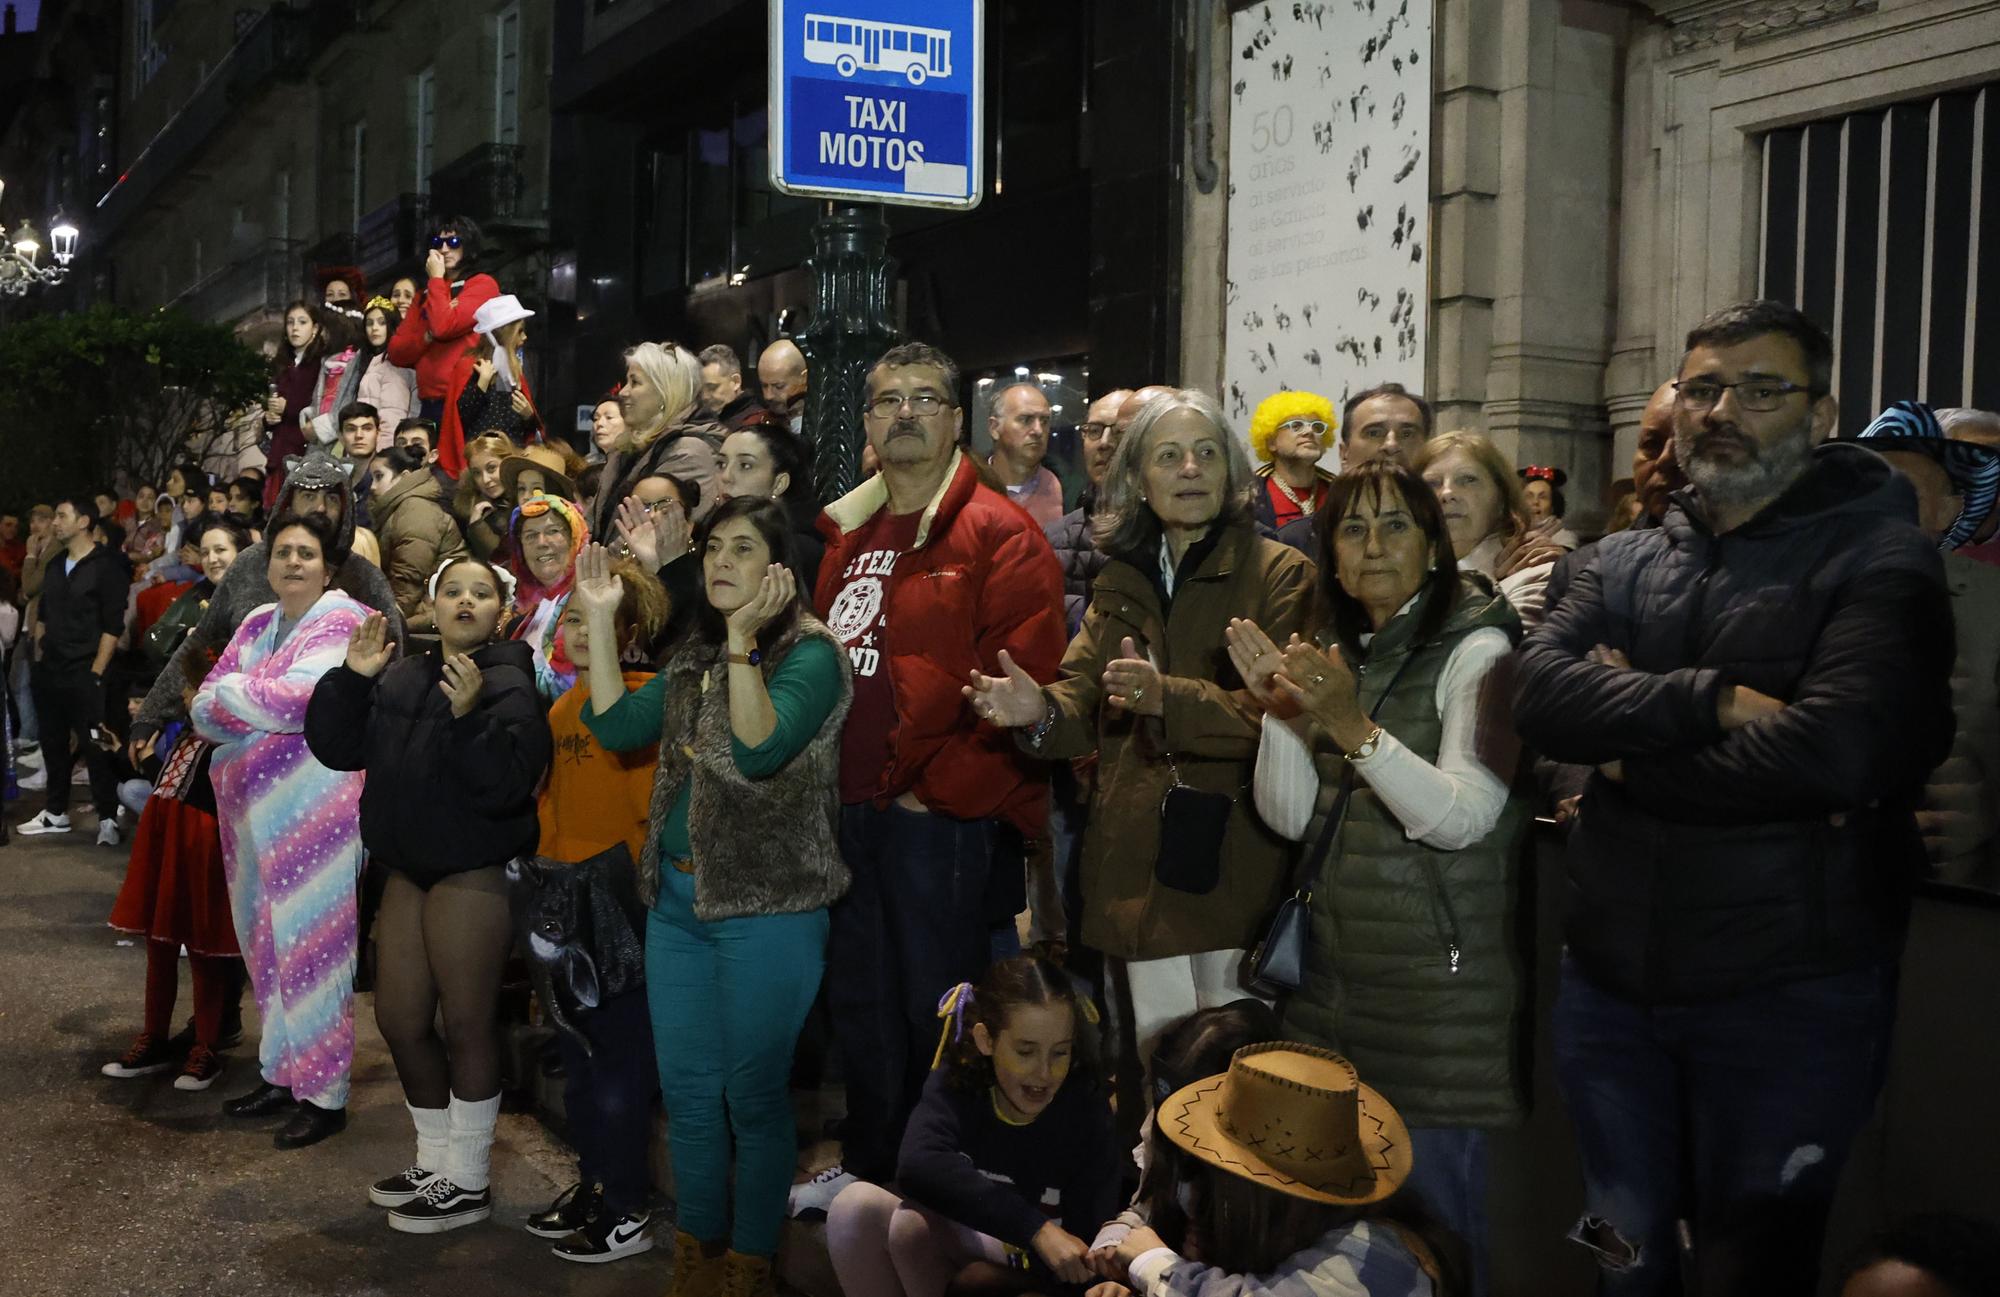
x: 781, y: 372
x: 1098, y: 442
x: 1655, y: 472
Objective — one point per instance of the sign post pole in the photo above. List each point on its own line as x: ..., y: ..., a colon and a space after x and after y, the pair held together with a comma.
x: 851, y: 326
x: 871, y: 102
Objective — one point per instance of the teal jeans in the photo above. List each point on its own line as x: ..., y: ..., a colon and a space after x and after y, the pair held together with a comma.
x: 728, y: 999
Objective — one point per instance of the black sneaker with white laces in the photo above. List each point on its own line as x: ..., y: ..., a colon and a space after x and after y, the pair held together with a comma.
x: 605, y: 1237
x: 400, y: 1187
x: 567, y: 1214
x: 441, y: 1205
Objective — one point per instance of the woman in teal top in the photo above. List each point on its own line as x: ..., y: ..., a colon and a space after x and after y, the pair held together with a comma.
x: 747, y: 713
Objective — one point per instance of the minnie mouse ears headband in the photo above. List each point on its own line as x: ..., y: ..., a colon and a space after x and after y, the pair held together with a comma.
x: 501, y: 574
x: 1544, y: 473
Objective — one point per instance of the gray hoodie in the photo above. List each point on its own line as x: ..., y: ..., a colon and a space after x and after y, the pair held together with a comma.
x: 247, y: 586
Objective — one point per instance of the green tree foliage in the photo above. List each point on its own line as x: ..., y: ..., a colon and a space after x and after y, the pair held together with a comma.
x: 87, y: 393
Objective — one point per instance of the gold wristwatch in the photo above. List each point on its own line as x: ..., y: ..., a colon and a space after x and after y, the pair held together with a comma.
x: 1366, y: 748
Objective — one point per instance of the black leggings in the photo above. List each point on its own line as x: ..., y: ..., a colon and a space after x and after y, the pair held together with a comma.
x: 443, y: 948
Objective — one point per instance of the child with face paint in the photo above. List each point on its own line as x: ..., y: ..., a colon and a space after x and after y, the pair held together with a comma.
x: 454, y: 745
x: 1008, y: 1163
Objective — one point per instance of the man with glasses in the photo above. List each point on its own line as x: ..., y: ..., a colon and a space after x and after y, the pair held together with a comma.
x: 928, y: 577
x: 1070, y: 535
x: 1289, y: 431
x: 1762, y: 684
x: 1019, y: 427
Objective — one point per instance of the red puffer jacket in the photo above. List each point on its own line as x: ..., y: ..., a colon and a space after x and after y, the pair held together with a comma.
x: 982, y: 578
x: 433, y: 339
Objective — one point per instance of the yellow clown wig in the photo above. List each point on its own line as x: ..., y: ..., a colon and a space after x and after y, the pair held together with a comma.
x: 1280, y: 408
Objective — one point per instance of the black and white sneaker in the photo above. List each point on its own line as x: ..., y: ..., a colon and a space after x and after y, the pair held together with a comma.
x: 605, y: 1237
x: 400, y: 1187
x: 567, y: 1214
x: 441, y: 1205
x: 149, y: 1054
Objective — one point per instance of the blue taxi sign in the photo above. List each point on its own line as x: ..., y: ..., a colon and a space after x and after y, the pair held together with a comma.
x: 879, y: 100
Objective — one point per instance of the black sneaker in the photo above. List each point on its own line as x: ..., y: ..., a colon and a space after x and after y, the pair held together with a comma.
x: 441, y: 1205
x: 605, y: 1237
x: 229, y: 1037
x: 149, y: 1054
x: 567, y: 1214
x: 200, y: 1071
x: 400, y: 1187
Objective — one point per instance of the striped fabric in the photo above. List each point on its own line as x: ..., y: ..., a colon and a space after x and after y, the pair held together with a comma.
x: 1974, y: 469
x: 291, y: 842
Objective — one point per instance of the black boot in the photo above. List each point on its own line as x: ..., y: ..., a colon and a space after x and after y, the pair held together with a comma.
x: 309, y: 1125
x: 266, y: 1100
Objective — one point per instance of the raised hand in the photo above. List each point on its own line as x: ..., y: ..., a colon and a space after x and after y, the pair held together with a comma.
x: 774, y: 594
x: 635, y: 529
x: 1258, y: 662
x: 369, y: 647
x: 1324, y: 687
x: 483, y: 368
x: 434, y: 264
x: 1012, y: 700
x: 1133, y: 682
x: 597, y: 588
x: 461, y: 683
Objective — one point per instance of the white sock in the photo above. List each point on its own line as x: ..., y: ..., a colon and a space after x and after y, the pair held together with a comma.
x: 472, y: 1124
x: 433, y: 1136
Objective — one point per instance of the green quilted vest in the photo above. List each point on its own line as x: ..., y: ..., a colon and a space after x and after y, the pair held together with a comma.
x: 1415, y: 969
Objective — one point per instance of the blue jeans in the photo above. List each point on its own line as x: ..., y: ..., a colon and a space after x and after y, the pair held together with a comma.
x: 1735, y: 1115
x: 1448, y: 1173
x: 913, y: 925
x: 728, y: 998
x: 608, y: 1097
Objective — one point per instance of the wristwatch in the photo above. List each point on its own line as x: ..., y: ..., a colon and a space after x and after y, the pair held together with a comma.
x: 755, y: 657
x: 1366, y: 748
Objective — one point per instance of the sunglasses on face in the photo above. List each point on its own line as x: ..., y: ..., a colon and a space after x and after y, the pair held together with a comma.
x: 446, y: 241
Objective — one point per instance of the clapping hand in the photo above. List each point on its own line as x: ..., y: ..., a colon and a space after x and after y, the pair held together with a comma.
x: 1132, y: 682
x: 597, y: 588
x: 773, y: 594
x: 1258, y: 662
x: 1324, y: 687
x: 460, y: 683
x: 1011, y: 700
x: 368, y: 648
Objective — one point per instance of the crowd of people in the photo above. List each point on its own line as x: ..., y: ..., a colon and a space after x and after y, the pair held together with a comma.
x: 1254, y: 746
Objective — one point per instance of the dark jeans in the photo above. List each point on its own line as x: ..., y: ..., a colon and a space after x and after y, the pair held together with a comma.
x: 608, y: 1096
x: 68, y: 706
x: 1448, y: 1172
x: 913, y: 925
x: 1735, y: 1115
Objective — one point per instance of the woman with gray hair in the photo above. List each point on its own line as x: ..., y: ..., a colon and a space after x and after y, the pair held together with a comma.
x: 664, y: 433
x: 1179, y: 874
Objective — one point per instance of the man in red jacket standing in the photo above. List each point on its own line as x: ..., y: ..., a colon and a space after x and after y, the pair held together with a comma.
x: 436, y: 336
x: 928, y: 576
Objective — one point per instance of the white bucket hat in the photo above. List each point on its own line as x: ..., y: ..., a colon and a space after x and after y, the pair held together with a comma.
x: 497, y: 313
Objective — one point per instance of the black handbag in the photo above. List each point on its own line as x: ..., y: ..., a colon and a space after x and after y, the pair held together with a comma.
x: 1193, y: 824
x: 1278, y: 964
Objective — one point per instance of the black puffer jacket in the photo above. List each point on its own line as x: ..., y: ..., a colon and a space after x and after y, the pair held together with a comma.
x: 1081, y: 561
x: 1782, y: 850
x: 444, y: 795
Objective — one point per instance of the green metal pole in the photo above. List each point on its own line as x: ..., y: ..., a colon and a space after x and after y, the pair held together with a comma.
x: 852, y: 325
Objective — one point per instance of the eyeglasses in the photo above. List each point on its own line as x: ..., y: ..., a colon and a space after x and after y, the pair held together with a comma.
x: 888, y: 405
x: 1760, y: 395
x: 446, y: 241
x: 1093, y: 431
x: 1317, y: 427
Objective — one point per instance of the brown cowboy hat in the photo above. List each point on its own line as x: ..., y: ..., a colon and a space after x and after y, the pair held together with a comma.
x: 544, y: 459
x: 1296, y: 1119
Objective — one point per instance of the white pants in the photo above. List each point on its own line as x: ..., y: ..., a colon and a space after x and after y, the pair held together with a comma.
x: 1167, y: 990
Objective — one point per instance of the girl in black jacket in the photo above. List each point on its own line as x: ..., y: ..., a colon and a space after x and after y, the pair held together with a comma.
x: 454, y: 743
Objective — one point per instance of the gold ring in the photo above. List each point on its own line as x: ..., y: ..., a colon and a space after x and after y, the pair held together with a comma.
x: 1319, y: 680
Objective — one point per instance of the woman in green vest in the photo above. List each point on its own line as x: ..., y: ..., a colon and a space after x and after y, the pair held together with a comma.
x: 1387, y: 746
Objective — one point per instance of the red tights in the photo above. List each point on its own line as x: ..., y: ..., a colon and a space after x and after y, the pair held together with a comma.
x: 163, y: 978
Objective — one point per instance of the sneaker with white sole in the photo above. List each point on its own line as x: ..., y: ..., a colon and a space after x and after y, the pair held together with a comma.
x: 817, y: 1194
x: 400, y: 1187
x: 108, y: 834
x: 605, y: 1237
x: 440, y: 1206
x: 149, y: 1054
x: 202, y: 1069
x: 43, y: 822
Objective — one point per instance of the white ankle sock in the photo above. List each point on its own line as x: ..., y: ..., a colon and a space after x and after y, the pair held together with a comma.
x: 433, y: 1136
x: 472, y: 1124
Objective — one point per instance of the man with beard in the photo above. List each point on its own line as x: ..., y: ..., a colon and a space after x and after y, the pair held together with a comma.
x: 1762, y: 684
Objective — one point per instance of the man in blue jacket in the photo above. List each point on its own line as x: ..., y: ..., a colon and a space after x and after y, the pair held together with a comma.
x: 1762, y: 684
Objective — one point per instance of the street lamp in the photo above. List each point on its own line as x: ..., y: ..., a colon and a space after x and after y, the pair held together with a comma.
x: 18, y: 271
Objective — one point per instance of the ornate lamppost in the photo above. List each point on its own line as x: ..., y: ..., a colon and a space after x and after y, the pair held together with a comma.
x: 18, y: 271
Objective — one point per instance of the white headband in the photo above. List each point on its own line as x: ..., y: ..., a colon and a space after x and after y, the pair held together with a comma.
x: 505, y: 577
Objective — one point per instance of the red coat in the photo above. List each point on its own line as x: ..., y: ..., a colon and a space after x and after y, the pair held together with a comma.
x: 981, y: 578
x: 434, y: 339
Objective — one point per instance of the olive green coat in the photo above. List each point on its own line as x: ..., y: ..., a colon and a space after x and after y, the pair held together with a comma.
x: 1210, y: 725
x: 1415, y: 968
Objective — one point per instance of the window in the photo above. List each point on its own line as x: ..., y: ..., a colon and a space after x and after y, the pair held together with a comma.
x: 423, y: 128
x: 1883, y: 227
x: 507, y: 75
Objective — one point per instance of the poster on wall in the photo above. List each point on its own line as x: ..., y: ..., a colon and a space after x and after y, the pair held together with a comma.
x: 1329, y: 199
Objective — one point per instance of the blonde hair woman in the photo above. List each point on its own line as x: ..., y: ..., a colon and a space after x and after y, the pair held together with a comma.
x: 482, y: 504
x: 1488, y: 520
x: 663, y: 435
